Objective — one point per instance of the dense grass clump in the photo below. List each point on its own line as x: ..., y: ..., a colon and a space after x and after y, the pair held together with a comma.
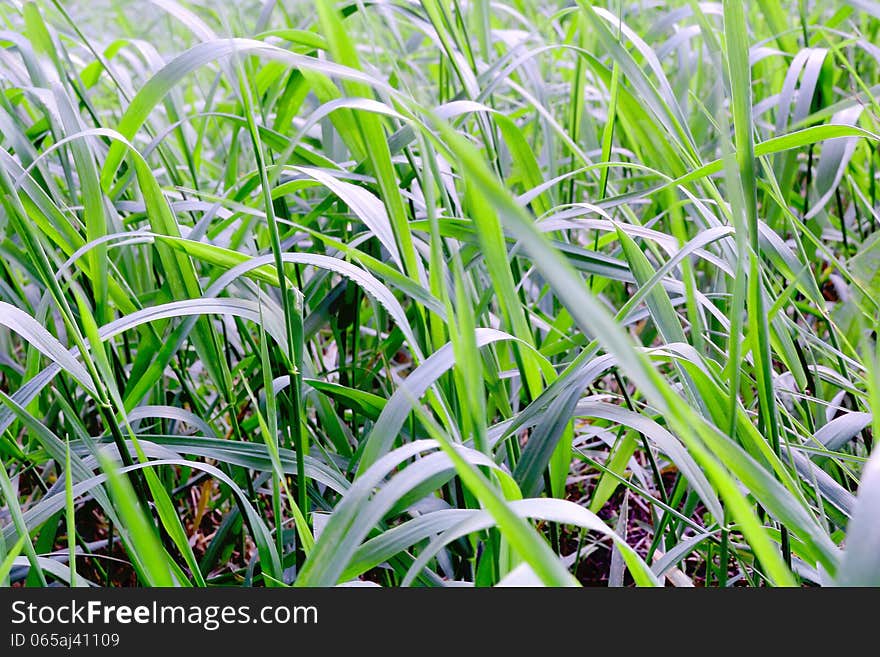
x: 439, y: 292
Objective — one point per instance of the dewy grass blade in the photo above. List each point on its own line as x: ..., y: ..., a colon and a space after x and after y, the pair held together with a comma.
x: 70, y: 518
x: 739, y: 72
x: 291, y: 306
x: 375, y: 139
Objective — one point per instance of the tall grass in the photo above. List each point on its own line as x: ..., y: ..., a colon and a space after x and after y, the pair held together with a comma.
x: 439, y: 292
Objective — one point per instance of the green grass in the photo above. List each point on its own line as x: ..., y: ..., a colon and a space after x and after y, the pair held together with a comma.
x: 434, y: 292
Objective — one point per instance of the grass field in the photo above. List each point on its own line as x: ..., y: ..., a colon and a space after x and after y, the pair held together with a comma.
x: 447, y: 292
